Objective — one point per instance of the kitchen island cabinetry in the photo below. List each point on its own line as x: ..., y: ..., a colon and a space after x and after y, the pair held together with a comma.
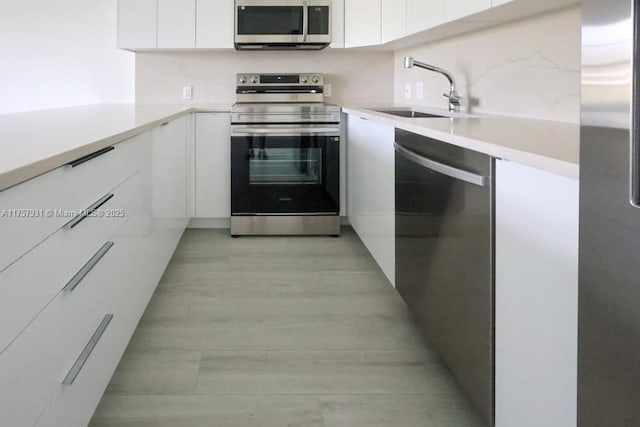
x: 371, y: 188
x: 83, y: 286
x: 536, y: 297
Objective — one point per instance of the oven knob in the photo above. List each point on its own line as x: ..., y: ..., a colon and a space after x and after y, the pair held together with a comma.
x: 242, y: 79
x: 304, y: 79
x: 254, y: 79
x: 315, y: 79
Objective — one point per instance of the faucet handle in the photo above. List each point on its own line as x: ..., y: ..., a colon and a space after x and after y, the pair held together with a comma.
x: 454, y: 98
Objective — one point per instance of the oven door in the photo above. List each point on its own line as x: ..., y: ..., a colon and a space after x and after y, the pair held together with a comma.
x: 270, y: 21
x: 278, y: 170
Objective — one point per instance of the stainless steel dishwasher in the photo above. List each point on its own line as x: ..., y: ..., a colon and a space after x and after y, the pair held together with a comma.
x: 444, y: 255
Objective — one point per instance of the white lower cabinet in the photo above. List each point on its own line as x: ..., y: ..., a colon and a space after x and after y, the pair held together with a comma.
x: 536, y: 297
x: 130, y: 288
x: 39, y: 364
x: 169, y: 173
x: 36, y: 209
x: 62, y: 255
x: 371, y: 188
x: 82, y: 303
x: 212, y: 165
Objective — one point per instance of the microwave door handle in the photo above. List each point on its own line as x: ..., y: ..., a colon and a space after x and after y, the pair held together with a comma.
x: 305, y: 20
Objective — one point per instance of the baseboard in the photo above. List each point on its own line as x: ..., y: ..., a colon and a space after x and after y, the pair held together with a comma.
x: 209, y: 223
x: 224, y: 222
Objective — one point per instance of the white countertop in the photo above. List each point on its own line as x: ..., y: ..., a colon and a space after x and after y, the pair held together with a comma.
x: 546, y: 145
x: 37, y: 142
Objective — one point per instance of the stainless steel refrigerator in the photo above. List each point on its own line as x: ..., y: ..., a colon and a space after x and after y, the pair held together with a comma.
x: 609, y: 296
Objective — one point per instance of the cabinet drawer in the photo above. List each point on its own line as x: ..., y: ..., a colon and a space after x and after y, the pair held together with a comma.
x: 34, y: 210
x: 33, y: 281
x: 34, y: 367
x: 74, y: 405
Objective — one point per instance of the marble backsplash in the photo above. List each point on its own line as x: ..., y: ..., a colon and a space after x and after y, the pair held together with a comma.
x: 528, y: 68
x: 355, y: 76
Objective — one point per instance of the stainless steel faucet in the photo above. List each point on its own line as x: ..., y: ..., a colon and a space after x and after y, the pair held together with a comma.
x: 454, y: 97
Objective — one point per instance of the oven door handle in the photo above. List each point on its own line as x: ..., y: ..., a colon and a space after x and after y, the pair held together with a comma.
x: 250, y: 131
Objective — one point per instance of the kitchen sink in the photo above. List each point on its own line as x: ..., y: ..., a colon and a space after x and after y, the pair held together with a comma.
x: 409, y: 113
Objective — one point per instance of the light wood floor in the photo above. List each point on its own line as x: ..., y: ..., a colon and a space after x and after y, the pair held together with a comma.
x: 278, y: 332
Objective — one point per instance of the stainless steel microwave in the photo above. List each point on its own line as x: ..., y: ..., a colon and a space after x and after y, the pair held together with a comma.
x: 282, y: 24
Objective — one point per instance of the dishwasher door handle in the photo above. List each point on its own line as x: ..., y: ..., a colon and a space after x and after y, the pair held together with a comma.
x: 471, y: 178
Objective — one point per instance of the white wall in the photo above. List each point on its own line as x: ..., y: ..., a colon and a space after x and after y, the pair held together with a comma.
x: 356, y: 77
x: 528, y: 68
x: 61, y: 53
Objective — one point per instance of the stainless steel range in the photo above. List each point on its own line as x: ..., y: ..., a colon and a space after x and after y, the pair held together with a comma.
x: 285, y: 157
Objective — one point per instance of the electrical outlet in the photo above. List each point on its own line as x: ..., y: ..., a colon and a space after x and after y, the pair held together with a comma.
x: 327, y: 90
x: 407, y: 91
x: 187, y: 92
x: 419, y: 90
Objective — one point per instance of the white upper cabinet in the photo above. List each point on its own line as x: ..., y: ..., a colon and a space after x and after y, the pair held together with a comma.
x: 362, y: 22
x: 454, y: 9
x: 176, y: 24
x: 137, y: 24
x: 394, y: 19
x: 337, y: 24
x: 214, y: 24
x: 495, y: 3
x: 423, y: 14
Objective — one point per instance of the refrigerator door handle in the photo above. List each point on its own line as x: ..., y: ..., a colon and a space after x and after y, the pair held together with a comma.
x: 634, y: 174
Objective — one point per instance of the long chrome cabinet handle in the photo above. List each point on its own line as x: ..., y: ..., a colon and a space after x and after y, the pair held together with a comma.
x: 80, y: 275
x: 91, y: 156
x: 91, y: 209
x: 456, y: 173
x: 88, y: 349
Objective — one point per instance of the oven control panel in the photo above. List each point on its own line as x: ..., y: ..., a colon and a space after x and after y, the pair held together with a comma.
x: 308, y: 79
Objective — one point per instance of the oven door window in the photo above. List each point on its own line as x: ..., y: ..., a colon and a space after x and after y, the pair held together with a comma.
x: 285, y: 166
x: 285, y: 175
x: 270, y: 20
